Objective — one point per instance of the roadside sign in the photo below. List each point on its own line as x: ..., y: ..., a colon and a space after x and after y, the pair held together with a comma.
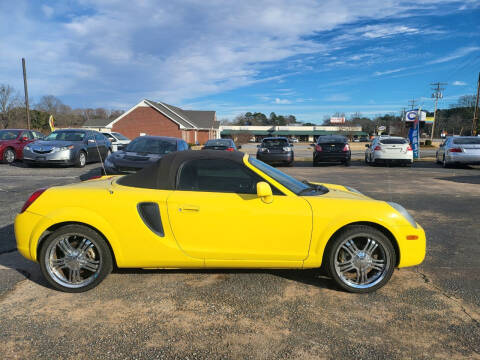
x: 412, y: 115
x: 382, y: 128
x: 413, y: 136
x: 337, y: 120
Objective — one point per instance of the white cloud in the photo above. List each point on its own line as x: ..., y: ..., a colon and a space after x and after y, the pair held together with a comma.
x: 47, y: 11
x: 387, y: 72
x: 282, y: 101
x: 337, y: 97
x: 459, y: 83
x: 120, y: 51
x: 461, y: 52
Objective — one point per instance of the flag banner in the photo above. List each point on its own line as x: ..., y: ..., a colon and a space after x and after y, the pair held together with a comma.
x: 51, y: 122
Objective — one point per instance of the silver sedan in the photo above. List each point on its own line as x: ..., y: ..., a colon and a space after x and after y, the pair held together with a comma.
x: 459, y: 150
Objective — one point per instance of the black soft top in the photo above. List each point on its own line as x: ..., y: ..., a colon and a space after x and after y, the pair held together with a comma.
x: 163, y: 173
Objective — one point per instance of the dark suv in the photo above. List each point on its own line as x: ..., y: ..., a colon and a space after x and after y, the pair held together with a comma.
x: 275, y: 150
x: 332, y: 148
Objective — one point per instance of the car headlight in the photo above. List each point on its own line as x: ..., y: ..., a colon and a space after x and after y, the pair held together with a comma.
x: 404, y: 213
x: 27, y: 147
x: 63, y: 148
x: 287, y: 148
x: 353, y: 190
x: 109, y: 163
x: 264, y: 149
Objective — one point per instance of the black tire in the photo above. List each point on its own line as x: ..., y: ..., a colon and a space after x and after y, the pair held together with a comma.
x: 361, y: 233
x: 445, y: 165
x: 79, y: 163
x: 9, y: 156
x: 102, y: 251
x: 347, y: 163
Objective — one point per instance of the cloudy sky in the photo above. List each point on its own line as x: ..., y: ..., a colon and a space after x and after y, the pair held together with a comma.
x: 304, y: 57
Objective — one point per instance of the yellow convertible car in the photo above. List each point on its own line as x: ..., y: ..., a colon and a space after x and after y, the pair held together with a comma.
x: 214, y: 209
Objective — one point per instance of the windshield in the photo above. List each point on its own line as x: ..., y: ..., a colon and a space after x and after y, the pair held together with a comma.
x: 218, y: 143
x: 467, y: 141
x: 8, y: 134
x: 274, y: 143
x: 289, y: 182
x: 152, y: 146
x: 120, y: 136
x: 393, y: 141
x: 66, y: 136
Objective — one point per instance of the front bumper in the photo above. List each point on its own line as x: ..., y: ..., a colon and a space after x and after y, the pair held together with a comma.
x: 412, y: 252
x: 66, y: 157
x: 276, y: 157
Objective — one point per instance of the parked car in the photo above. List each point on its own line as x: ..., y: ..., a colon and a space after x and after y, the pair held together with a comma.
x: 275, y: 150
x: 463, y: 150
x: 68, y: 147
x: 214, y: 209
x: 389, y: 149
x: 117, y: 140
x: 141, y: 152
x: 221, y: 144
x: 12, y: 142
x: 293, y: 140
x: 332, y: 148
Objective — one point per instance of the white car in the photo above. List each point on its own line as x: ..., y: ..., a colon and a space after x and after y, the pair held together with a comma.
x: 118, y: 140
x: 293, y: 140
x: 389, y: 149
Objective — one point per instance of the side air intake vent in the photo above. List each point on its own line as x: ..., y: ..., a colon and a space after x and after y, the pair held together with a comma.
x: 150, y: 214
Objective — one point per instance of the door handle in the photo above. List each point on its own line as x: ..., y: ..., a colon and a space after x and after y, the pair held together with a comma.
x: 189, y: 208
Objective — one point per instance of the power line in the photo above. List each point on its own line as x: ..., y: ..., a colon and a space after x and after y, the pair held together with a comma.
x: 412, y: 103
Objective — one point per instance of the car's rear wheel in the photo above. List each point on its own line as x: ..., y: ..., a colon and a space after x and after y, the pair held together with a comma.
x: 444, y: 162
x: 9, y: 156
x: 75, y: 258
x: 81, y: 159
x: 347, y: 163
x: 360, y: 259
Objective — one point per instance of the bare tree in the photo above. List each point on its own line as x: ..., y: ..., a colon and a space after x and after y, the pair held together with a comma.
x: 8, y: 101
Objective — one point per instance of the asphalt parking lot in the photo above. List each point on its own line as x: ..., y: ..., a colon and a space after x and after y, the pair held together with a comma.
x: 426, y: 312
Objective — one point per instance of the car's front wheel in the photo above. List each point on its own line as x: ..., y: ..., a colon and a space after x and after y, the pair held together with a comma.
x: 360, y: 259
x: 9, y: 156
x: 81, y: 160
x: 75, y: 258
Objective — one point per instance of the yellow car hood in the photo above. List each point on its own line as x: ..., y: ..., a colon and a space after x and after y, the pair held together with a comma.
x: 341, y: 192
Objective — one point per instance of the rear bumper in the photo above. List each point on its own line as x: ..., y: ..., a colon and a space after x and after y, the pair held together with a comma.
x: 273, y: 158
x: 463, y: 158
x: 393, y: 161
x: 380, y: 156
x: 331, y: 156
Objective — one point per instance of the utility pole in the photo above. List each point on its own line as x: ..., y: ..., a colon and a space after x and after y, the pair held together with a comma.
x: 475, y: 114
x: 412, y: 103
x: 436, y: 95
x: 26, y: 92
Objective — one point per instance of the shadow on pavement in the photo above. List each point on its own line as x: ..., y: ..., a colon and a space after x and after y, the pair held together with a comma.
x: 475, y: 179
x: 7, y: 239
x: 91, y: 173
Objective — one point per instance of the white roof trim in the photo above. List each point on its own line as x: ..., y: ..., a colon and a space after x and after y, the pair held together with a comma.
x: 142, y: 103
x: 181, y: 117
x: 176, y: 122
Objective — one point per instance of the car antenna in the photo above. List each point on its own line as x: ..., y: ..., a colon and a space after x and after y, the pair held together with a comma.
x: 99, y: 155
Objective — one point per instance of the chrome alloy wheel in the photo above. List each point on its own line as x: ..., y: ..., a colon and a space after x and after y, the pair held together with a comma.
x: 73, y: 260
x: 9, y: 156
x: 361, y: 261
x: 82, y: 159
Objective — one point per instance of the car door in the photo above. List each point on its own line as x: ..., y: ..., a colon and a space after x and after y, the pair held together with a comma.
x: 215, y: 213
x: 441, y: 150
x: 102, y: 144
x: 25, y: 138
x: 92, y: 152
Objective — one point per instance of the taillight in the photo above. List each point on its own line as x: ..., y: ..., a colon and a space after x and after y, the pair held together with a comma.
x: 318, y: 148
x: 378, y: 147
x: 346, y: 147
x: 409, y: 148
x: 31, y: 199
x: 230, y: 149
x: 455, y: 150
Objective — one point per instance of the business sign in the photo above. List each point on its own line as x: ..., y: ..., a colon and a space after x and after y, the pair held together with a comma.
x: 337, y: 120
x: 412, y: 115
x: 382, y: 128
x: 429, y: 120
x: 413, y: 136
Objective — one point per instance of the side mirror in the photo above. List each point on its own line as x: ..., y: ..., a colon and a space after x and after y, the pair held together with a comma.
x: 264, y: 191
x: 258, y: 146
x: 367, y: 145
x: 312, y: 144
x: 239, y: 146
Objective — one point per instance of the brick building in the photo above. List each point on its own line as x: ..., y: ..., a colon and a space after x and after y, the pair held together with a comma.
x: 157, y: 118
